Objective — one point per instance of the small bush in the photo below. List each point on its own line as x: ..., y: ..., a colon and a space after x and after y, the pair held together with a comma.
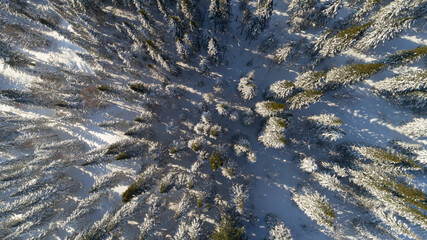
x: 215, y: 160
x: 229, y: 228
x: 139, y: 87
x: 123, y: 155
x: 135, y: 189
x: 104, y: 88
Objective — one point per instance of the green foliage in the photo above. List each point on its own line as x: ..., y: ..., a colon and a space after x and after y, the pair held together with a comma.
x: 213, y: 132
x: 351, y: 33
x: 215, y: 160
x: 62, y: 104
x: 139, y: 119
x: 304, y: 99
x: 200, y: 200
x: 195, y: 146
x: 407, y: 56
x: 281, y: 122
x: 229, y: 228
x: 173, y: 150
x: 135, y: 189
x: 163, y: 187
x: 104, y: 88
x: 365, y: 70
x: 275, y: 106
x: 123, y: 155
x: 382, y: 155
x: 46, y: 23
x: 139, y: 87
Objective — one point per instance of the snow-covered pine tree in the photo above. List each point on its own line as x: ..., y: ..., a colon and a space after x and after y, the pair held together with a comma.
x: 220, y: 13
x: 239, y: 195
x: 215, y: 52
x: 278, y: 230
x: 316, y: 207
x: 407, y: 90
x: 304, y: 99
x: 204, y: 66
x: 269, y: 108
x: 389, y: 21
x: 311, y: 80
x: 247, y: 86
x: 281, y: 90
x: 182, y: 49
x: 264, y: 12
x: 303, y: 14
x: 273, y: 135
x: 283, y: 53
x: 349, y: 74
x: 340, y: 41
x: 327, y: 126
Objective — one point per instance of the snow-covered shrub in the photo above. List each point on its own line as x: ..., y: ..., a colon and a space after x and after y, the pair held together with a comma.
x: 189, y: 230
x: 196, y: 143
x: 282, y: 54
x: 281, y: 89
x: 327, y: 126
x: 205, y: 127
x: 229, y: 227
x: 229, y: 169
x: 308, y: 164
x: 234, y: 116
x: 414, y: 81
x: 141, y: 184
x: 204, y: 66
x: 278, y: 230
x: 223, y: 108
x: 416, y: 151
x: 304, y: 99
x: 239, y: 195
x: 273, y: 134
x: 247, y: 86
x: 107, y: 180
x: 182, y: 207
x: 166, y: 182
x: 175, y: 147
x: 111, y: 221
x: 86, y: 206
x: 316, y: 207
x: 248, y: 117
x: 149, y: 221
x: 243, y: 147
x: 216, y: 160
x: 269, y: 108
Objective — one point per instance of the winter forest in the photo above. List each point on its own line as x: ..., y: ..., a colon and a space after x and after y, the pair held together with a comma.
x: 213, y: 119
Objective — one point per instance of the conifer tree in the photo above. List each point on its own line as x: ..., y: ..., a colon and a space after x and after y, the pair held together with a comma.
x: 273, y: 135
x: 264, y: 12
x: 215, y: 53
x: 269, y: 108
x: 247, y: 86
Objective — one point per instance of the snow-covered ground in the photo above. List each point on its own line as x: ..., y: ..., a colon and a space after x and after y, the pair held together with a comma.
x: 169, y: 121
